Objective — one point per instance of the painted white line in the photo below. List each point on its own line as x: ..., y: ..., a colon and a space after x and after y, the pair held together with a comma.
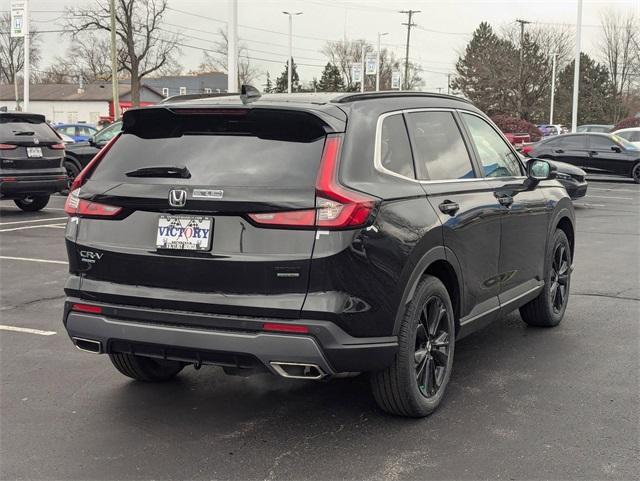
x: 611, y: 197
x: 29, y: 259
x: 28, y: 227
x: 53, y: 208
x: 27, y: 330
x: 57, y: 226
x: 613, y: 189
x: 32, y: 220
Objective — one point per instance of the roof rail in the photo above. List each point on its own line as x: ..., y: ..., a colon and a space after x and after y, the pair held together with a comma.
x: 187, y: 97
x: 352, y: 97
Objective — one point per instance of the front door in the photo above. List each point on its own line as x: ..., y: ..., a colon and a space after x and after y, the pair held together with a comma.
x: 607, y: 156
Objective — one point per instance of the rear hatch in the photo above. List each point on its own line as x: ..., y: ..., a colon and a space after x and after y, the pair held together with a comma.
x: 191, y: 188
x: 28, y: 145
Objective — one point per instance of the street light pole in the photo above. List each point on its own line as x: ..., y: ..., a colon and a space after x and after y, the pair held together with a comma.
x: 114, y: 64
x: 290, y: 61
x: 232, y: 47
x: 27, y: 66
x: 380, y: 34
x: 553, y: 87
x: 576, y: 71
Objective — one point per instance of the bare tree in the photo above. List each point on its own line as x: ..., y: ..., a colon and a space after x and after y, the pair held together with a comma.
x: 145, y: 47
x: 217, y: 60
x: 618, y: 50
x: 12, y: 53
x: 343, y: 54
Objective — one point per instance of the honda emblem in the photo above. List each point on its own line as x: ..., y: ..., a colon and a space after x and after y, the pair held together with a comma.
x: 177, y: 197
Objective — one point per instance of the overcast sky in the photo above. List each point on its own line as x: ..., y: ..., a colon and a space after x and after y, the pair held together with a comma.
x: 443, y: 30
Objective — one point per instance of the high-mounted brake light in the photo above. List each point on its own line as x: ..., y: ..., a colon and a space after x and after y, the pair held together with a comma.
x: 75, y: 206
x: 86, y: 308
x: 336, y: 206
x: 7, y: 146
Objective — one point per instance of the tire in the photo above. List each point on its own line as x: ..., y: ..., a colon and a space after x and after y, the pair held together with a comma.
x: 547, y: 309
x: 635, y: 173
x: 400, y: 389
x: 33, y: 203
x: 72, y: 173
x: 145, y: 368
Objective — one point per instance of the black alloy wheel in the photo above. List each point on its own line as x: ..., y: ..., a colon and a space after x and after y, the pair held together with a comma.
x: 635, y: 173
x: 559, y: 278
x: 432, y: 347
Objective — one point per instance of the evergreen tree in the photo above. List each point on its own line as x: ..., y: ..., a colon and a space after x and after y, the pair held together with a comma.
x: 282, y: 80
x: 331, y: 80
x: 268, y: 86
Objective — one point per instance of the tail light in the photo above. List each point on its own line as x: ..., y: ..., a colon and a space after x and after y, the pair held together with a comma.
x: 336, y: 206
x: 75, y: 206
x: 7, y: 146
x: 59, y: 146
x: 526, y: 149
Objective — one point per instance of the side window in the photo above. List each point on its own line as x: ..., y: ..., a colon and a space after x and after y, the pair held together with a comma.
x: 438, y: 147
x: 108, y: 133
x: 574, y: 142
x: 395, y: 151
x: 494, y: 154
x: 598, y: 142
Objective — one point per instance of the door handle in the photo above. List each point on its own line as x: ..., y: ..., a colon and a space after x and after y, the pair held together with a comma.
x: 559, y: 151
x: 449, y: 207
x: 593, y: 152
x: 505, y: 199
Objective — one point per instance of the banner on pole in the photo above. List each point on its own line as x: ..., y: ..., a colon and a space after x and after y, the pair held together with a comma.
x: 19, y: 18
x: 395, y: 79
x: 371, y: 65
x: 356, y: 72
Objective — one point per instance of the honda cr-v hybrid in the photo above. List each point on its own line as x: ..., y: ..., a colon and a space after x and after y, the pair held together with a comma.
x: 312, y: 235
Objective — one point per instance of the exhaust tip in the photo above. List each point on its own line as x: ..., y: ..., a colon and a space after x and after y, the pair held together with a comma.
x: 296, y: 370
x: 88, y: 345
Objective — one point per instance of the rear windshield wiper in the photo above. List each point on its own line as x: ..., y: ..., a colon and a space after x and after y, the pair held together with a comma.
x: 169, y: 171
x: 22, y: 132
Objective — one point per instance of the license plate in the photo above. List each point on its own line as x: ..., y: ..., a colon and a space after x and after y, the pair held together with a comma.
x: 187, y: 233
x: 34, y: 151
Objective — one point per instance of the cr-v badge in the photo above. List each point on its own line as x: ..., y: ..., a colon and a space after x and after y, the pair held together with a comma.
x: 177, y: 197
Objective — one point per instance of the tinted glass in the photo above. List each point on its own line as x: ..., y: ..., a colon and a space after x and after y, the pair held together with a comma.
x: 598, y: 142
x: 495, y: 155
x: 438, y: 147
x: 395, y: 151
x: 578, y: 142
x: 106, y: 134
x: 16, y: 129
x: 238, y: 150
x: 630, y: 135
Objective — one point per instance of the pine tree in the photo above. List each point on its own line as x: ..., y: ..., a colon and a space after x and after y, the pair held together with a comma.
x: 331, y: 80
x: 268, y: 86
x: 282, y: 80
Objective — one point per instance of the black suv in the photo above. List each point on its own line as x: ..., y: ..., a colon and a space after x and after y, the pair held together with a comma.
x: 31, y: 155
x: 312, y: 235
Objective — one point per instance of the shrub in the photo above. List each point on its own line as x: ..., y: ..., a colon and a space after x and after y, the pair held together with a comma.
x: 627, y: 123
x: 514, y: 125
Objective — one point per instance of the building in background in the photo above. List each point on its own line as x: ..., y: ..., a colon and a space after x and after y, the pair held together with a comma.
x: 202, y: 83
x: 69, y: 103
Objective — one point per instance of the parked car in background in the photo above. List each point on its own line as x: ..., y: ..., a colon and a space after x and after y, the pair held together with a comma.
x: 518, y: 139
x: 572, y: 178
x: 31, y: 155
x: 598, y: 153
x: 597, y: 128
x: 79, y: 154
x: 78, y: 132
x: 632, y: 134
x: 310, y: 235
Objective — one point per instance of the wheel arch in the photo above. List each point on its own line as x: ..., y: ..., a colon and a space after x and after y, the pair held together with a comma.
x: 73, y: 160
x: 565, y: 225
x: 442, y: 264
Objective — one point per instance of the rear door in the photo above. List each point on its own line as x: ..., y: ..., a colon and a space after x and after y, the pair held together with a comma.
x: 29, y: 145
x: 464, y: 202
x: 234, y: 167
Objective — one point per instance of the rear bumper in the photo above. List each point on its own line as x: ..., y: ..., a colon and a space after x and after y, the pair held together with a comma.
x: 189, y: 336
x: 32, y: 185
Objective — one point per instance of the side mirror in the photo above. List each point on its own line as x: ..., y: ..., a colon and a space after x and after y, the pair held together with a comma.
x: 615, y: 148
x: 538, y: 169
x: 92, y: 141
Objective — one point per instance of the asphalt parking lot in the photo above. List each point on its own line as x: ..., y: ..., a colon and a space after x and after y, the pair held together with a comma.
x: 524, y: 403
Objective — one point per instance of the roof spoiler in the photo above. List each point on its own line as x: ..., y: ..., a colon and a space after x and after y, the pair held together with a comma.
x: 249, y: 94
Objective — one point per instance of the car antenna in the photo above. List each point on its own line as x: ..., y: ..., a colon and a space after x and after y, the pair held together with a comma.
x: 249, y: 94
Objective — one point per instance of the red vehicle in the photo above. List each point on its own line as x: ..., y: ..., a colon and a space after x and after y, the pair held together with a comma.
x: 518, y: 139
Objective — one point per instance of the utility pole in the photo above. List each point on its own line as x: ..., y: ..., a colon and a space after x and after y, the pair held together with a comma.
x: 553, y: 87
x: 409, y: 24
x: 576, y: 71
x: 114, y: 64
x: 232, y: 47
x: 290, y: 61
x: 380, y: 34
x: 520, y: 76
x: 362, y: 66
x: 27, y: 60
x: 448, y: 84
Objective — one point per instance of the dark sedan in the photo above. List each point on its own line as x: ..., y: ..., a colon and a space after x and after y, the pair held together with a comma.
x: 597, y: 153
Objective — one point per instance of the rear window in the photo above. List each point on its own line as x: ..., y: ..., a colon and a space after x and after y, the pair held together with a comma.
x: 16, y: 128
x: 254, y: 148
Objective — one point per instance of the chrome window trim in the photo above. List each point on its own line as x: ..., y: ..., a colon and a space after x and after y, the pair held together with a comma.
x: 377, y: 152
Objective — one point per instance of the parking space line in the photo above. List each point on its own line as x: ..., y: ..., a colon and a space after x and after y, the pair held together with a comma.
x: 610, y: 197
x: 29, y: 227
x: 609, y: 189
x: 32, y: 220
x: 29, y: 259
x: 27, y: 330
